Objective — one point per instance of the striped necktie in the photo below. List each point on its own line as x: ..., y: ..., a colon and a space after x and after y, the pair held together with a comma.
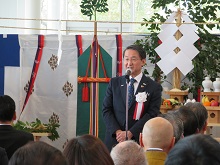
x: 131, y: 91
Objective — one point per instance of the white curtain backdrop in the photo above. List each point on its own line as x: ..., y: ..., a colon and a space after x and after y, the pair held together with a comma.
x: 48, y: 96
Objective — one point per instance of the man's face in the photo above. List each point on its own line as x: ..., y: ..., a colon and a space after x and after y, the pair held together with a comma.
x: 133, y: 61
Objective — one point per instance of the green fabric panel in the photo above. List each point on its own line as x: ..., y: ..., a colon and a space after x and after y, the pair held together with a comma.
x: 83, y: 108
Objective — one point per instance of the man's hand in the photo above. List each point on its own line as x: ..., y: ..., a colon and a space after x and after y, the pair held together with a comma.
x: 121, y: 135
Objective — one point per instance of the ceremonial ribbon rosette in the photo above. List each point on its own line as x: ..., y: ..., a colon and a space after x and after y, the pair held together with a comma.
x: 141, y: 97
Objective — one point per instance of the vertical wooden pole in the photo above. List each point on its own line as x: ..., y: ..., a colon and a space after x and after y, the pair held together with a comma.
x: 178, y: 35
x: 95, y: 28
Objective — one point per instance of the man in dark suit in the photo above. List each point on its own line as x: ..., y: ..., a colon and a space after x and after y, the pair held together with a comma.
x: 10, y: 138
x: 144, y: 107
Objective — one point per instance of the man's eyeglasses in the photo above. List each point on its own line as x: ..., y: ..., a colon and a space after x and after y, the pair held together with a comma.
x: 131, y: 59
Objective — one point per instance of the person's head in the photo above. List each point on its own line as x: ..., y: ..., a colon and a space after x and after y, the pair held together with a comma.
x: 157, y: 133
x: 129, y: 153
x: 190, y: 121
x: 37, y: 153
x: 177, y: 124
x: 201, y: 114
x: 134, y: 58
x: 87, y: 150
x: 196, y: 149
x: 7, y: 109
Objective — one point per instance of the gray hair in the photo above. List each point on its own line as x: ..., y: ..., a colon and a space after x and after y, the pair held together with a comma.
x: 177, y: 124
x: 129, y: 153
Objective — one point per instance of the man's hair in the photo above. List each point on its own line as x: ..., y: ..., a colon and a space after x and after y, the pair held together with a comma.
x: 196, y: 149
x: 87, y: 149
x: 7, y: 108
x: 190, y: 121
x: 129, y: 153
x: 200, y: 112
x: 37, y: 153
x: 139, y: 49
x: 177, y: 124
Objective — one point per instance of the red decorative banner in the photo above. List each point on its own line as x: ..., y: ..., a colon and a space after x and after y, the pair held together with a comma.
x: 119, y: 55
x: 35, y: 68
x: 79, y: 44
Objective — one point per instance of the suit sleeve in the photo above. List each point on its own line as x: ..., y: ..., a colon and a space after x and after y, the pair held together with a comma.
x: 110, y: 121
x: 3, y: 157
x: 151, y: 111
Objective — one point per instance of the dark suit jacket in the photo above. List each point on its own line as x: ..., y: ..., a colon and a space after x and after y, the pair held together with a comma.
x: 114, y: 107
x: 3, y: 157
x: 12, y: 139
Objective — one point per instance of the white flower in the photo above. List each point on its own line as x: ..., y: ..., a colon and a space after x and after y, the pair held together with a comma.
x: 141, y: 97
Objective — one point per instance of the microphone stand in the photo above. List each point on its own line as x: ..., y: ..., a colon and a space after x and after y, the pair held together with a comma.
x: 126, y: 109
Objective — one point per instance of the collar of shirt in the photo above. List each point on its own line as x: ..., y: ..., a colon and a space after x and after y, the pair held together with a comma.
x: 5, y: 124
x: 154, y: 149
x: 138, y: 79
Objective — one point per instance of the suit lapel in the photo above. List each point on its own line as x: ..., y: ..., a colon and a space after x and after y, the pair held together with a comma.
x: 123, y: 88
x: 142, y: 85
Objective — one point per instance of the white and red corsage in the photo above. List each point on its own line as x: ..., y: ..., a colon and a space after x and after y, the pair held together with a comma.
x: 141, y: 97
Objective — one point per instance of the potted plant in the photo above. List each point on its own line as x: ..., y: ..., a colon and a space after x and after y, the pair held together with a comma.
x: 39, y: 127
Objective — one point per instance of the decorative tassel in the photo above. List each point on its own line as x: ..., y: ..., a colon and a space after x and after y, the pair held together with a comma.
x: 85, y: 93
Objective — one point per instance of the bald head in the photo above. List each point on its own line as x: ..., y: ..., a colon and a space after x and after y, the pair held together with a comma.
x: 158, y: 133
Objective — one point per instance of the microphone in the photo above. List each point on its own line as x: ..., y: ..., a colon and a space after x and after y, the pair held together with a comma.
x: 127, y: 74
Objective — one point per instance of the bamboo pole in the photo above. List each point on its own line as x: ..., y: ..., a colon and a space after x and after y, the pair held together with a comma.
x: 92, y: 79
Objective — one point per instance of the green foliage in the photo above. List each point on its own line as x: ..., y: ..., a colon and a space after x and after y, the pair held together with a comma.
x: 39, y: 127
x: 207, y: 61
x: 90, y: 7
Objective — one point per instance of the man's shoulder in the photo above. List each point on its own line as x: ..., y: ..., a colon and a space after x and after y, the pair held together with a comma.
x: 147, y: 78
x: 23, y: 134
x: 150, y: 80
x: 117, y: 79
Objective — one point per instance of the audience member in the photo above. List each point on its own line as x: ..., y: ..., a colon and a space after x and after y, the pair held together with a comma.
x: 201, y: 114
x: 37, y: 153
x: 177, y: 124
x: 87, y: 150
x: 195, y: 150
x: 10, y: 138
x: 3, y: 157
x: 190, y: 121
x: 128, y: 153
x: 157, y: 138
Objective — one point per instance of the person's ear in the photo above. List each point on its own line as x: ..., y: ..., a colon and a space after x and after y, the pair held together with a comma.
x: 14, y: 116
x: 141, y: 140
x: 205, y: 127
x: 143, y: 62
x: 172, y: 143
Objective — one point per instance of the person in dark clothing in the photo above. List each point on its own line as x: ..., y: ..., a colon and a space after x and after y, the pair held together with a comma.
x: 10, y: 138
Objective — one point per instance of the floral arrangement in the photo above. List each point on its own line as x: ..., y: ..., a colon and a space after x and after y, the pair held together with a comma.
x: 39, y: 127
